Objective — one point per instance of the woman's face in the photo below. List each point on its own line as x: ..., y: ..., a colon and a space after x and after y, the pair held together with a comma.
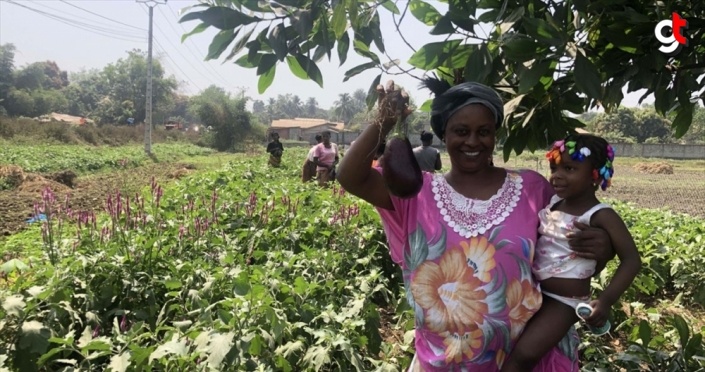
x: 470, y: 138
x: 326, y: 138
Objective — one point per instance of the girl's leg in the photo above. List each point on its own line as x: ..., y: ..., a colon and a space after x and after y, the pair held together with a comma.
x: 543, y: 332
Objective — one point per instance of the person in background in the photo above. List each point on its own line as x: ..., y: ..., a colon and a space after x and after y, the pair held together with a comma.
x: 275, y: 150
x: 325, y: 156
x: 428, y: 157
x: 309, y: 170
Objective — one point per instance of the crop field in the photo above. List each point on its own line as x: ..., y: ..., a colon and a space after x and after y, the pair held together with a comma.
x: 237, y: 266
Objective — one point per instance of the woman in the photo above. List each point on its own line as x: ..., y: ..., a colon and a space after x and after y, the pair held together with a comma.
x: 325, y: 156
x: 465, y: 242
x: 309, y: 166
x: 275, y: 150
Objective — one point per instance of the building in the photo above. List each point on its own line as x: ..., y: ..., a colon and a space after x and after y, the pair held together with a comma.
x: 305, y: 129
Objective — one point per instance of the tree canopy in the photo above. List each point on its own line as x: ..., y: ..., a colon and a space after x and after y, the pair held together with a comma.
x: 547, y: 58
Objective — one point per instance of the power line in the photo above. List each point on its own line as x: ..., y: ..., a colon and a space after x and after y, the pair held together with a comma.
x: 73, y: 23
x: 81, y: 20
x: 194, y: 54
x: 96, y: 14
x: 179, y: 52
x: 176, y: 64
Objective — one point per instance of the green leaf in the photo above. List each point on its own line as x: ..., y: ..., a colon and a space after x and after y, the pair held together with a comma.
x: 174, y: 347
x: 339, y: 21
x: 172, y: 284
x: 12, y: 266
x: 479, y: 65
x: 196, y: 30
x: 14, y: 305
x: 363, y: 50
x: 343, y: 48
x: 358, y: 69
x: 220, y: 42
x: 311, y: 69
x: 520, y: 48
x: 220, y: 17
x: 241, y: 285
x: 296, y: 68
x: 542, y: 31
x: 239, y: 45
x: 426, y: 106
x: 255, y: 345
x: 303, y: 23
x: 432, y: 55
x: 683, y: 329
x: 219, y: 345
x: 267, y: 62
x: 119, y: 362
x: 372, y: 93
x: 248, y: 61
x: 645, y: 333
x: 376, y: 32
x: 424, y: 12
x: 683, y: 120
x: 587, y: 78
x: 530, y: 77
x: 444, y: 26
x: 35, y: 337
x: 389, y: 5
x: 278, y: 42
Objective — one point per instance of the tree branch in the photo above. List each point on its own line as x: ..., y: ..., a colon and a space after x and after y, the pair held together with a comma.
x: 397, y: 24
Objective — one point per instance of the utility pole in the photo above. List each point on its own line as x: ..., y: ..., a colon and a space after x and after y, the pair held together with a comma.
x: 148, y: 115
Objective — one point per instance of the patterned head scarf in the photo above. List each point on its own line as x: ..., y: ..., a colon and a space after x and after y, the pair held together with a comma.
x: 452, y: 100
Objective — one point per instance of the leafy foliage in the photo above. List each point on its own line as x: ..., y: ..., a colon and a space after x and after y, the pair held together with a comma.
x: 545, y: 57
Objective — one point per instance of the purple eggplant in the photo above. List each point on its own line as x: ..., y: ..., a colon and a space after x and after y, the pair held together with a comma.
x: 401, y: 172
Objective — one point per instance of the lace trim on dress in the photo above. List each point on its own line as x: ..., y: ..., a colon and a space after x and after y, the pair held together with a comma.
x: 471, y: 217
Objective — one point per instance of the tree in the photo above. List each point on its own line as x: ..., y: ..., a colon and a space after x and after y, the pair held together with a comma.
x: 126, y: 80
x: 311, y: 107
x: 545, y: 57
x: 343, y: 108
x: 227, y: 116
x: 7, y: 70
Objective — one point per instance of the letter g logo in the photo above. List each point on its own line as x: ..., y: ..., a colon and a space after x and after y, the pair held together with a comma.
x: 670, y: 33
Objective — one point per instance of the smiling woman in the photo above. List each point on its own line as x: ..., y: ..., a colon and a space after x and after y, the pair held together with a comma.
x: 466, y: 241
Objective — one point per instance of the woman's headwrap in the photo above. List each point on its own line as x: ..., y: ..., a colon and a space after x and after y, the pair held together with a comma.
x: 448, y: 101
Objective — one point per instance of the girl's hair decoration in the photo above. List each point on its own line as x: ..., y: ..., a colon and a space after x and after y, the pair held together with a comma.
x: 554, y: 156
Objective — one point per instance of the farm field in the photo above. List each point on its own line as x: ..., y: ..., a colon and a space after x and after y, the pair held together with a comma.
x: 236, y: 266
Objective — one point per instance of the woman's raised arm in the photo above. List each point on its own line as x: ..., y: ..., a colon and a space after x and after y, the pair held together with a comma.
x: 355, y: 172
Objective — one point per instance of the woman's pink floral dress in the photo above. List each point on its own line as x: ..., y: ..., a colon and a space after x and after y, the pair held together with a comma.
x: 467, y: 272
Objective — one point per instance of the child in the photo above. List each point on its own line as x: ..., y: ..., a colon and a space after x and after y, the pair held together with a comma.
x: 579, y: 165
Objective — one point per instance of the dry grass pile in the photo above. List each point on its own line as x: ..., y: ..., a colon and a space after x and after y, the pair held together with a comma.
x: 659, y: 167
x: 15, y: 177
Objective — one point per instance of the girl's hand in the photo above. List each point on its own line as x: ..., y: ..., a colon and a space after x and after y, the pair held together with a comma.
x: 600, y: 314
x: 391, y: 102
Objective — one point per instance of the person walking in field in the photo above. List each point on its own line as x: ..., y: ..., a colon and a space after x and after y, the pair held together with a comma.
x: 325, y: 156
x: 275, y: 150
x: 428, y: 157
x: 309, y: 170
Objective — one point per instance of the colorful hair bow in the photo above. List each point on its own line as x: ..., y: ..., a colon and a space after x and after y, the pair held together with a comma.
x: 554, y: 155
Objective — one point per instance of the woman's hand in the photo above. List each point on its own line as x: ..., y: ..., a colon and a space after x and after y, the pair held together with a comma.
x: 391, y: 102
x: 592, y: 243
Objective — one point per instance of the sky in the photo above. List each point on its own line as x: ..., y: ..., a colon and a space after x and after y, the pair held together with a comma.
x: 88, y: 34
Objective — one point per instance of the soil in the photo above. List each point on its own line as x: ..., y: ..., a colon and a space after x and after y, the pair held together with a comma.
x: 85, y: 192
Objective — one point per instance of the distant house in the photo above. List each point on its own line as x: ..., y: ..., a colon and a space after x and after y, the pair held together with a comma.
x: 305, y: 129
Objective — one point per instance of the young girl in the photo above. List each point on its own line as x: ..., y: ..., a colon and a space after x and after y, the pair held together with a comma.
x: 579, y: 165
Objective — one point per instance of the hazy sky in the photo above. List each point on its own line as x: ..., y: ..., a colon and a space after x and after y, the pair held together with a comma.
x: 93, y: 33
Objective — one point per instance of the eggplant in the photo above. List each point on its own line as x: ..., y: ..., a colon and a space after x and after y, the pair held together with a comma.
x: 401, y: 172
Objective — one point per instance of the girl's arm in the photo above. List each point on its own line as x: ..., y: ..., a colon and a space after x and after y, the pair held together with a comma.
x: 629, y: 262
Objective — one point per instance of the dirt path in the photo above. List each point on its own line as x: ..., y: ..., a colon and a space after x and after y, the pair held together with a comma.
x: 89, y: 192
